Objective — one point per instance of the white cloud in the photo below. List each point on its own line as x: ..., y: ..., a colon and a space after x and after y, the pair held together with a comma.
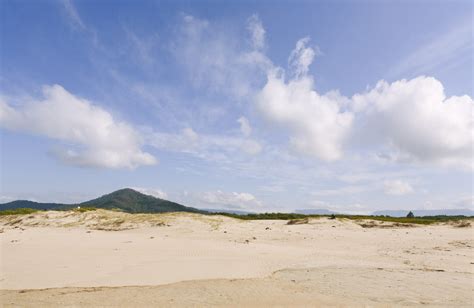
x: 316, y: 124
x: 98, y: 139
x: 214, y: 58
x: 397, y: 187
x: 257, y: 32
x: 74, y: 18
x: 231, y: 200
x: 245, y: 127
x: 418, y: 122
x: 155, y: 192
x: 301, y: 57
x: 405, y: 121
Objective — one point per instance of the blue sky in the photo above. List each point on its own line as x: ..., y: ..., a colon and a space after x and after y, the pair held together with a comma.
x: 352, y: 106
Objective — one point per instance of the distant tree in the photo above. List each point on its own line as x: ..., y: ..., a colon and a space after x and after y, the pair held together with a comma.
x: 332, y: 216
x: 410, y: 215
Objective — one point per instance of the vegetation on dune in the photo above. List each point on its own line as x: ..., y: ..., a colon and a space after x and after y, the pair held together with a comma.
x: 19, y: 211
x: 425, y: 220
x: 130, y: 201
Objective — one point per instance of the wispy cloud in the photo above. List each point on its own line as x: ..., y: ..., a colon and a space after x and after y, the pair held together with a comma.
x: 142, y: 47
x: 73, y: 16
x: 449, y: 48
x: 155, y: 192
x: 216, y: 148
x: 76, y: 23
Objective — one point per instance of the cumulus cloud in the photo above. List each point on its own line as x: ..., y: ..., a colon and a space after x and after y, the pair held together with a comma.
x: 99, y: 140
x: 301, y: 57
x: 418, y: 122
x: 397, y: 187
x: 231, y: 200
x: 404, y: 121
x: 317, y: 126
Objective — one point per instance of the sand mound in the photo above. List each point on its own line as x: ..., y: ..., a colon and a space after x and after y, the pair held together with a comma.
x: 104, y: 219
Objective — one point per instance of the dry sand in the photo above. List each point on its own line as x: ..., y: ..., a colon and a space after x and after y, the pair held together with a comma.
x: 104, y: 258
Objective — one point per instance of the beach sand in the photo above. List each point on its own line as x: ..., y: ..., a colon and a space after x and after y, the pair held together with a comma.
x: 105, y: 258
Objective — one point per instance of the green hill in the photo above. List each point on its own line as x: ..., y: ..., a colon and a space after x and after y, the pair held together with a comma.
x: 127, y: 200
x: 131, y: 201
x: 22, y: 204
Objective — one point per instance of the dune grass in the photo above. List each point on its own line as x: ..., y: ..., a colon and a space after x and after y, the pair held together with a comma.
x: 21, y: 211
x: 425, y: 220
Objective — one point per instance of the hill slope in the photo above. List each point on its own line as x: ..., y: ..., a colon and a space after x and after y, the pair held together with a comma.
x: 131, y: 201
x: 127, y: 200
x: 19, y: 204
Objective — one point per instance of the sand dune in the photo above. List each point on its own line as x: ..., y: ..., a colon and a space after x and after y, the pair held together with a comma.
x: 111, y: 258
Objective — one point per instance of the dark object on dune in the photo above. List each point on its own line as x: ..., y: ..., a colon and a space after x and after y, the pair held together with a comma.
x: 298, y: 221
x: 410, y: 215
x: 332, y: 216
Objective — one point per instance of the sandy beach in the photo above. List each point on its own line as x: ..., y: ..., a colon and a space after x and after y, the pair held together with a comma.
x: 104, y: 258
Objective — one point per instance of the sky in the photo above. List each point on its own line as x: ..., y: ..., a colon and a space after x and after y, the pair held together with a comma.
x: 351, y: 106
